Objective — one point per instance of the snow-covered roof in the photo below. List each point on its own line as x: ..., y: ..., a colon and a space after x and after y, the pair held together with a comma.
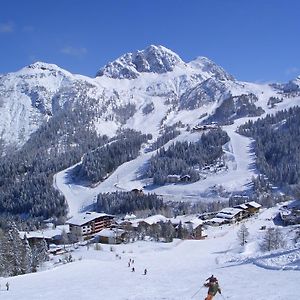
x: 187, y: 219
x: 182, y: 219
x: 155, y: 219
x: 47, y: 233
x: 174, y: 176
x: 242, y: 206
x: 217, y: 220
x: 228, y: 213
x: 130, y: 217
x: 195, y: 222
x: 253, y: 204
x: 34, y: 234
x: 109, y: 232
x: 82, y: 219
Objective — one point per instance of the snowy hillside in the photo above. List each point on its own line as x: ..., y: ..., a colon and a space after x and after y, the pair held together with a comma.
x: 176, y: 271
x: 239, y: 158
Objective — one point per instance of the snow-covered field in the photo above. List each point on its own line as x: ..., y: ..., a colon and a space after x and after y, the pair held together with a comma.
x: 175, y: 271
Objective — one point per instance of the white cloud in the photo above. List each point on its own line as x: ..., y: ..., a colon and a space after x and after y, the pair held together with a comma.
x: 69, y: 50
x: 7, y: 27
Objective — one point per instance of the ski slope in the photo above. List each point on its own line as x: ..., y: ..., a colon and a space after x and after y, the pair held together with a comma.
x: 175, y: 270
x: 240, y: 160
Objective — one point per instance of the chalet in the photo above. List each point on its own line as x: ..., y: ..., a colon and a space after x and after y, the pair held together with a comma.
x: 290, y: 216
x: 50, y: 235
x: 89, y: 223
x: 231, y: 214
x: 34, y: 238
x: 185, y: 178
x: 173, y: 178
x: 244, y: 208
x: 155, y: 219
x: 111, y: 236
x: 253, y: 207
x: 216, y: 221
x: 205, y: 127
x: 195, y: 229
x: 193, y: 225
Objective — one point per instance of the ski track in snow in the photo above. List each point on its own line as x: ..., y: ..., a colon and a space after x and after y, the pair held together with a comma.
x: 125, y: 177
x: 240, y: 162
x: 176, y: 270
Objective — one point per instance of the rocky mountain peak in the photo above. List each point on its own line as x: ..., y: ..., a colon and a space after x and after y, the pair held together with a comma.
x: 208, y: 66
x: 153, y: 59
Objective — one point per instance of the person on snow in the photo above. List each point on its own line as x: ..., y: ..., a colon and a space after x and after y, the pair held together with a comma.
x: 212, y: 278
x: 133, y: 269
x: 7, y: 286
x: 145, y: 272
x: 213, y: 287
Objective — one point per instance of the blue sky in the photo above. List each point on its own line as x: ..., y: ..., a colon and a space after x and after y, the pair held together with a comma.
x: 257, y: 40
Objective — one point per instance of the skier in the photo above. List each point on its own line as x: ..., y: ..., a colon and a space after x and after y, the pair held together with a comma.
x: 145, y: 272
x: 212, y: 278
x: 133, y: 269
x: 213, y: 287
x: 7, y: 286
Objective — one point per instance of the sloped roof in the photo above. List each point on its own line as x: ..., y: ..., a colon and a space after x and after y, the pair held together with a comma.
x: 86, y: 217
x: 107, y: 232
x: 253, y: 204
x: 47, y: 233
x: 182, y: 219
x: 155, y: 219
x: 130, y: 217
x: 242, y: 206
x: 229, y: 212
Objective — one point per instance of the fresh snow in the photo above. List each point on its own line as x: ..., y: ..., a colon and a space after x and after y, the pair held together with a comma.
x: 175, y: 270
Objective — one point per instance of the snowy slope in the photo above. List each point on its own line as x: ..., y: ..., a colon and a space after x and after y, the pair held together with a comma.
x: 176, y: 271
x: 239, y: 158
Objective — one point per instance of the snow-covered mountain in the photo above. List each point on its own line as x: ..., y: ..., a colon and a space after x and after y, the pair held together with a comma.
x: 147, y: 91
x: 121, y: 93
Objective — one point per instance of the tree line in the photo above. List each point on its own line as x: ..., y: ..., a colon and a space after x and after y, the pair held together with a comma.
x: 277, y: 145
x: 183, y: 158
x: 26, y: 175
x: 99, y: 163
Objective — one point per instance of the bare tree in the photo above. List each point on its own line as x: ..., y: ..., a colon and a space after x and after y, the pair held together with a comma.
x: 272, y: 240
x: 243, y: 234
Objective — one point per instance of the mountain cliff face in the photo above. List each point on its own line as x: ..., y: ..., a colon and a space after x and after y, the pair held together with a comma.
x: 154, y: 59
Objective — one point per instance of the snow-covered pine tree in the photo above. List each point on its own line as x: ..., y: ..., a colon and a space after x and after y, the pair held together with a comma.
x: 26, y: 259
x: 2, y: 260
x: 12, y: 251
x: 39, y: 254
